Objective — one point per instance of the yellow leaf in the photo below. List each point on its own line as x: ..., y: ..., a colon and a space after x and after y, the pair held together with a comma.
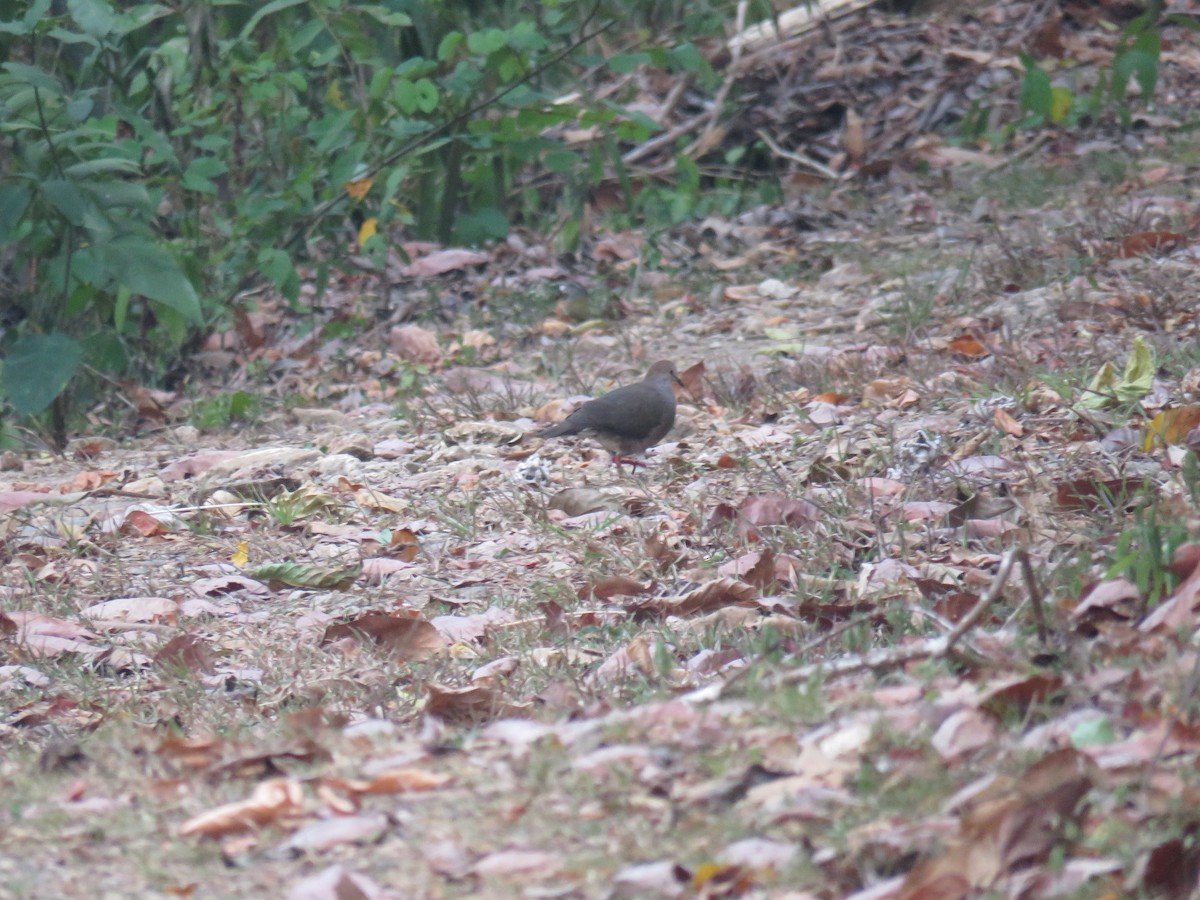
x: 368, y: 230
x: 1060, y: 103
x: 1139, y: 372
x: 334, y: 95
x: 1171, y: 426
x: 241, y: 555
x: 359, y: 187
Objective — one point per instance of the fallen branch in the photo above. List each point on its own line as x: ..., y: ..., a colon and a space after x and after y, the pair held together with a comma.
x: 933, y: 648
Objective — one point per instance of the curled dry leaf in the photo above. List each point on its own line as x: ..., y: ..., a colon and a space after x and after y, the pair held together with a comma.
x: 714, y: 595
x: 406, y: 637
x: 518, y: 864
x: 613, y: 586
x: 271, y: 801
x: 479, y: 703
x: 134, y: 609
x: 317, y: 837
x: 472, y: 628
x: 187, y: 652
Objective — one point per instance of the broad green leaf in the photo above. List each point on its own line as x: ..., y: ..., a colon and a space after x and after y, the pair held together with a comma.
x: 80, y: 108
x: 148, y: 269
x: 385, y: 16
x: 93, y: 16
x: 687, y: 58
x: 482, y: 225
x: 309, y: 576
x: 562, y: 161
x: 412, y: 96
x: 487, y: 41
x: 627, y: 63
x: 264, y: 11
x: 66, y: 197
x: 37, y: 368
x: 1036, y: 92
x: 448, y: 45
x: 200, y: 172
x: 107, y: 164
x: 14, y: 199
x: 120, y: 195
x: 105, y: 351
x: 34, y: 77
x: 1091, y: 732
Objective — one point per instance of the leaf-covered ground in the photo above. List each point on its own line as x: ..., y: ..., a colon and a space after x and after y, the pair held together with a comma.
x: 904, y: 606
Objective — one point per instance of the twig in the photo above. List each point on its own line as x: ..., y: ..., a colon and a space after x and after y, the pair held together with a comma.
x: 701, y: 144
x: 937, y: 648
x: 817, y: 167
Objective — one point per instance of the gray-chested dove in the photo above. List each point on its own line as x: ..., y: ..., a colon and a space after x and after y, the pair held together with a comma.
x: 629, y: 419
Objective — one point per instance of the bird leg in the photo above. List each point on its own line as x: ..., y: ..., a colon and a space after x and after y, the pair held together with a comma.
x: 618, y: 460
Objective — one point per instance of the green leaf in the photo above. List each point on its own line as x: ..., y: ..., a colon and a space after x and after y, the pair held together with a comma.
x: 264, y: 11
x: 93, y: 16
x: 481, y: 225
x: 1091, y: 732
x: 411, y: 96
x: 200, y: 172
x: 448, y: 45
x: 120, y: 195
x: 80, y: 108
x: 105, y: 164
x: 66, y: 197
x: 37, y: 368
x: 105, y: 351
x: 34, y: 77
x: 487, y: 41
x: 1037, y: 95
x: 385, y: 16
x: 627, y: 63
x: 148, y: 269
x: 14, y: 199
x: 562, y: 160
x: 687, y: 58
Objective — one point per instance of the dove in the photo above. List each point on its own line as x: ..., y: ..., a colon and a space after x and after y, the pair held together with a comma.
x: 629, y: 419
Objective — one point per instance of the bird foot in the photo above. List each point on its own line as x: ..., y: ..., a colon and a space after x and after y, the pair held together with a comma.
x: 618, y: 460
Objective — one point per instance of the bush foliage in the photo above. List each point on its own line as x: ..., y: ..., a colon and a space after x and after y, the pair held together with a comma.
x: 157, y: 159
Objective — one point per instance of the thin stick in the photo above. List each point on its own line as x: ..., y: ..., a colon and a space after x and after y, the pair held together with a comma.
x: 936, y: 648
x: 817, y: 167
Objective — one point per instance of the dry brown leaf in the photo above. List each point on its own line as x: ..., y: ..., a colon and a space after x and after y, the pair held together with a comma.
x: 1006, y: 423
x: 969, y: 346
x: 406, y: 637
x: 187, y: 652
x: 518, y: 864
x: 325, y: 834
x: 442, y: 261
x: 271, y: 801
x: 714, y: 595
x: 469, y: 705
x: 415, y: 344
x: 1152, y: 243
x: 613, y: 586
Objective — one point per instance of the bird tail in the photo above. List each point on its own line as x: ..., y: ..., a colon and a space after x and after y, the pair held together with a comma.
x: 562, y: 429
